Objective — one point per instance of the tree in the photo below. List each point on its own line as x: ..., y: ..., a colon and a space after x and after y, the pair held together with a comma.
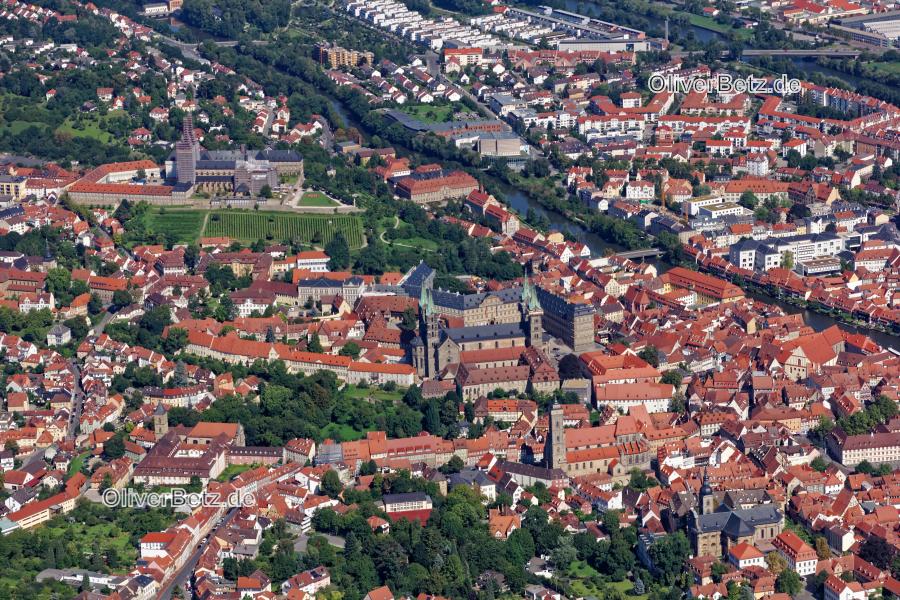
x: 350, y: 349
x: 640, y: 481
x: 672, y: 377
x: 787, y: 260
x: 650, y: 355
x: 191, y: 256
x: 865, y: 467
x: 408, y: 320
x: 331, y: 484
x: 454, y: 465
x: 180, y: 378
x: 564, y: 554
x: 748, y: 200
x: 225, y: 311
x: 668, y: 555
x: 314, y: 345
x: 338, y: 251
x: 822, y: 549
x: 266, y: 191
x: 789, y: 582
x: 611, y: 521
x: 570, y: 367
x: 95, y: 304
x: 877, y: 551
x: 114, y: 447
x: 717, y: 570
x: 775, y: 562
x: 819, y: 464
x: 678, y: 403
x: 122, y: 298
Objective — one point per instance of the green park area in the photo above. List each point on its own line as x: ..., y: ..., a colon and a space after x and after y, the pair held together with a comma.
x: 88, y: 126
x: 431, y: 113
x: 315, y: 199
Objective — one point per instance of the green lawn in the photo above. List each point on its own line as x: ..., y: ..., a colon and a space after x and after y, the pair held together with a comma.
x: 75, y: 465
x: 418, y: 242
x: 185, y: 225
x: 232, y: 471
x: 20, y: 126
x: 429, y: 113
x: 249, y: 226
x: 107, y: 534
x: 343, y: 433
x: 582, y: 578
x: 713, y: 25
x: 315, y: 199
x: 89, y: 126
x: 374, y: 393
x: 579, y: 568
x: 89, y: 130
x: 889, y: 68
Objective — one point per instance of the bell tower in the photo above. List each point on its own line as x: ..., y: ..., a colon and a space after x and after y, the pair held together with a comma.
x: 555, y: 445
x: 160, y: 421
x: 707, y: 500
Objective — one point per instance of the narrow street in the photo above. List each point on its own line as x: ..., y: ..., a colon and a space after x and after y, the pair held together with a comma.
x: 184, y: 574
x: 77, y: 402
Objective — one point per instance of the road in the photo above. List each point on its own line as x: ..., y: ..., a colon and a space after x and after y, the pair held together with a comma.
x: 184, y: 574
x: 99, y: 327
x: 77, y: 401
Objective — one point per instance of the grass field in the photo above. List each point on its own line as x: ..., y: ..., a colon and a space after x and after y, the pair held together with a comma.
x: 76, y: 463
x: 90, y: 127
x: 428, y: 113
x: 418, y: 242
x: 581, y: 574
x: 374, y: 393
x: 107, y: 534
x: 344, y: 433
x: 232, y: 471
x: 713, y: 25
x: 315, y: 199
x: 249, y: 226
x: 20, y: 126
x: 889, y: 68
x: 90, y: 130
x: 184, y: 224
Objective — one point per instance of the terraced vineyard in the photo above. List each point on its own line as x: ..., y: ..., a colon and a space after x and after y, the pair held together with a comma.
x: 247, y: 226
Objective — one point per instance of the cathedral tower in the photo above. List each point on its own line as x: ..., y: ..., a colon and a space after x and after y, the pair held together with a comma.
x: 430, y: 331
x: 532, y: 315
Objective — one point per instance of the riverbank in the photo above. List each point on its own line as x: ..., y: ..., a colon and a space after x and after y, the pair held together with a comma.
x: 816, y: 314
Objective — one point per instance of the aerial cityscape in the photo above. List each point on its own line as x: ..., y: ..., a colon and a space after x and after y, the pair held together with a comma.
x: 450, y: 299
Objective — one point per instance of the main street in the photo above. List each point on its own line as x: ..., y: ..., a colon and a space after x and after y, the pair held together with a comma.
x: 184, y: 573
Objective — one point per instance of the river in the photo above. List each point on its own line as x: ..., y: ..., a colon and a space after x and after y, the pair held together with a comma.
x: 818, y: 321
x: 519, y: 201
x: 588, y: 8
